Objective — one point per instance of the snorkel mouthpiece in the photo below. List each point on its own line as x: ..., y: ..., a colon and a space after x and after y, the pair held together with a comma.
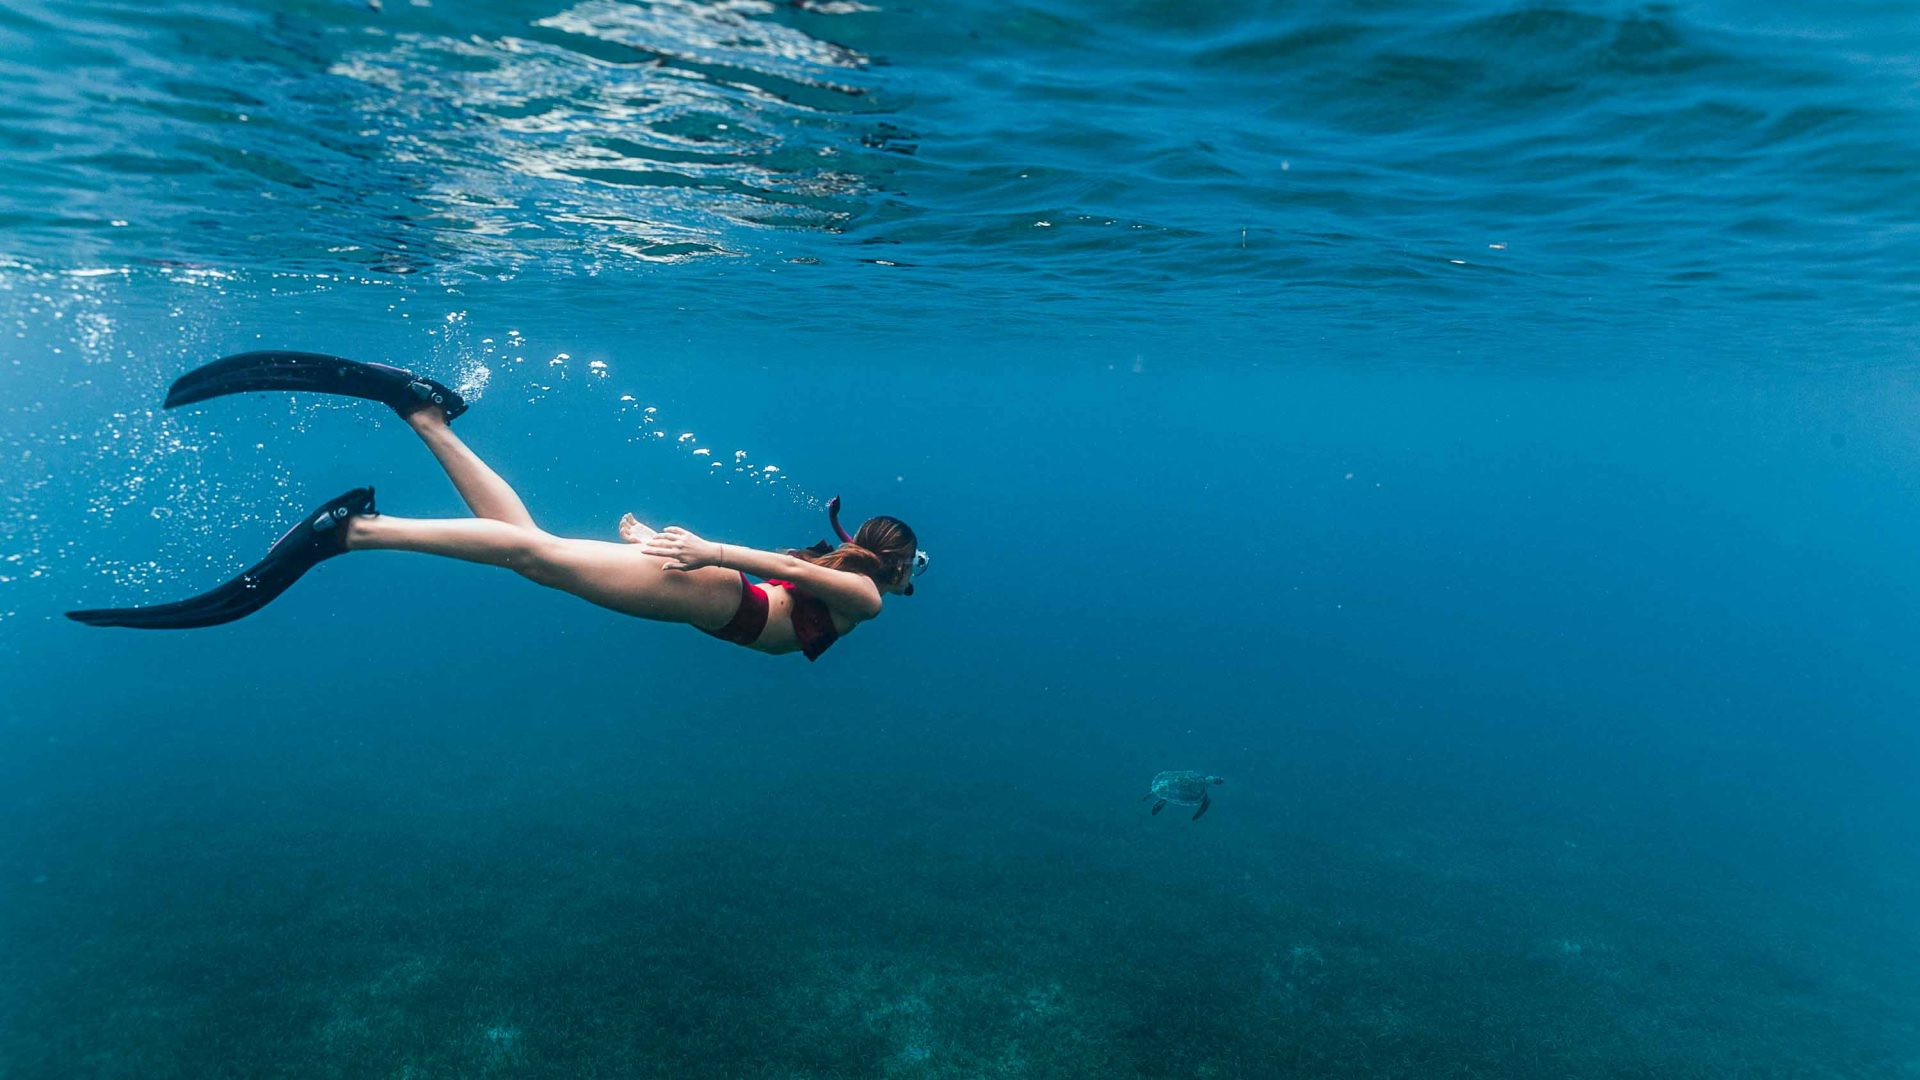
x: 920, y: 561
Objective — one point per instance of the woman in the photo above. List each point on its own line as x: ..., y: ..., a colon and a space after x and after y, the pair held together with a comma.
x: 811, y: 598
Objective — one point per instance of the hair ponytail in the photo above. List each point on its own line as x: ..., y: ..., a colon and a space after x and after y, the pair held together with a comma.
x: 852, y: 558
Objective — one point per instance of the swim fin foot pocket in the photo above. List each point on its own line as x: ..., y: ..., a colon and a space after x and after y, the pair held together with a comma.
x: 320, y: 536
x: 315, y: 373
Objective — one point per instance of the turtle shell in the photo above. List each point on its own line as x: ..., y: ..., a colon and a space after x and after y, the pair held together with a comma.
x: 1186, y: 788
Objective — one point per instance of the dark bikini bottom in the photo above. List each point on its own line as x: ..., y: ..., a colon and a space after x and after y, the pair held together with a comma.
x: 749, y: 619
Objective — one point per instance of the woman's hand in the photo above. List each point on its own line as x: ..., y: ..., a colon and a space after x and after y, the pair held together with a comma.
x: 682, y: 549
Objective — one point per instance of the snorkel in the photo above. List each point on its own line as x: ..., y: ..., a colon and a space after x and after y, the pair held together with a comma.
x: 918, y: 563
x: 833, y: 519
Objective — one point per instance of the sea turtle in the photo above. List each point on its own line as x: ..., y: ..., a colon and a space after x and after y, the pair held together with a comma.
x: 1185, y: 788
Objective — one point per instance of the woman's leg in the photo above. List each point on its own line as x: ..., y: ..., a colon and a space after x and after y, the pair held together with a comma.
x: 613, y: 576
x: 485, y: 493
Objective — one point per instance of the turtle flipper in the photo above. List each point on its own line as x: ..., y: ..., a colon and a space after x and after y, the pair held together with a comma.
x: 1205, y: 801
x: 1159, y: 806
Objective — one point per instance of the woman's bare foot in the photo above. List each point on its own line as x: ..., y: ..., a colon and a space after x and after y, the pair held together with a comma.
x: 632, y: 531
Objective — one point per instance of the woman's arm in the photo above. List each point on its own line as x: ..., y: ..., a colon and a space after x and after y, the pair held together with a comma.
x: 853, y: 594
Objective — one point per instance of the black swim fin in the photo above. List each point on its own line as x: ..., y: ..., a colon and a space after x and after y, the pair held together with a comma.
x: 318, y: 537
x: 314, y: 373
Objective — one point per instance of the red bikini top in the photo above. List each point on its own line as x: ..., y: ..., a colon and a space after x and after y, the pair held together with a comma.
x: 812, y: 622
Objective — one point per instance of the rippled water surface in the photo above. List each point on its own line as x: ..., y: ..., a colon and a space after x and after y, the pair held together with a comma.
x: 1382, y: 161
x: 1483, y: 433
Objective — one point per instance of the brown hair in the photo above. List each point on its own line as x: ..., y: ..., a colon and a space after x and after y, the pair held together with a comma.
x: 882, y: 548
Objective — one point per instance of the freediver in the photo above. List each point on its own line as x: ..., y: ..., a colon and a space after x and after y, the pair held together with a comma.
x: 808, y: 597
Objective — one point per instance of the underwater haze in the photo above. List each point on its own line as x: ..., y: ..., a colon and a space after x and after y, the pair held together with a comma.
x: 1483, y: 433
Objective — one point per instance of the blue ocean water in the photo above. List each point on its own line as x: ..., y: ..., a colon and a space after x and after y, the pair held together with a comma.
x: 1482, y: 433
